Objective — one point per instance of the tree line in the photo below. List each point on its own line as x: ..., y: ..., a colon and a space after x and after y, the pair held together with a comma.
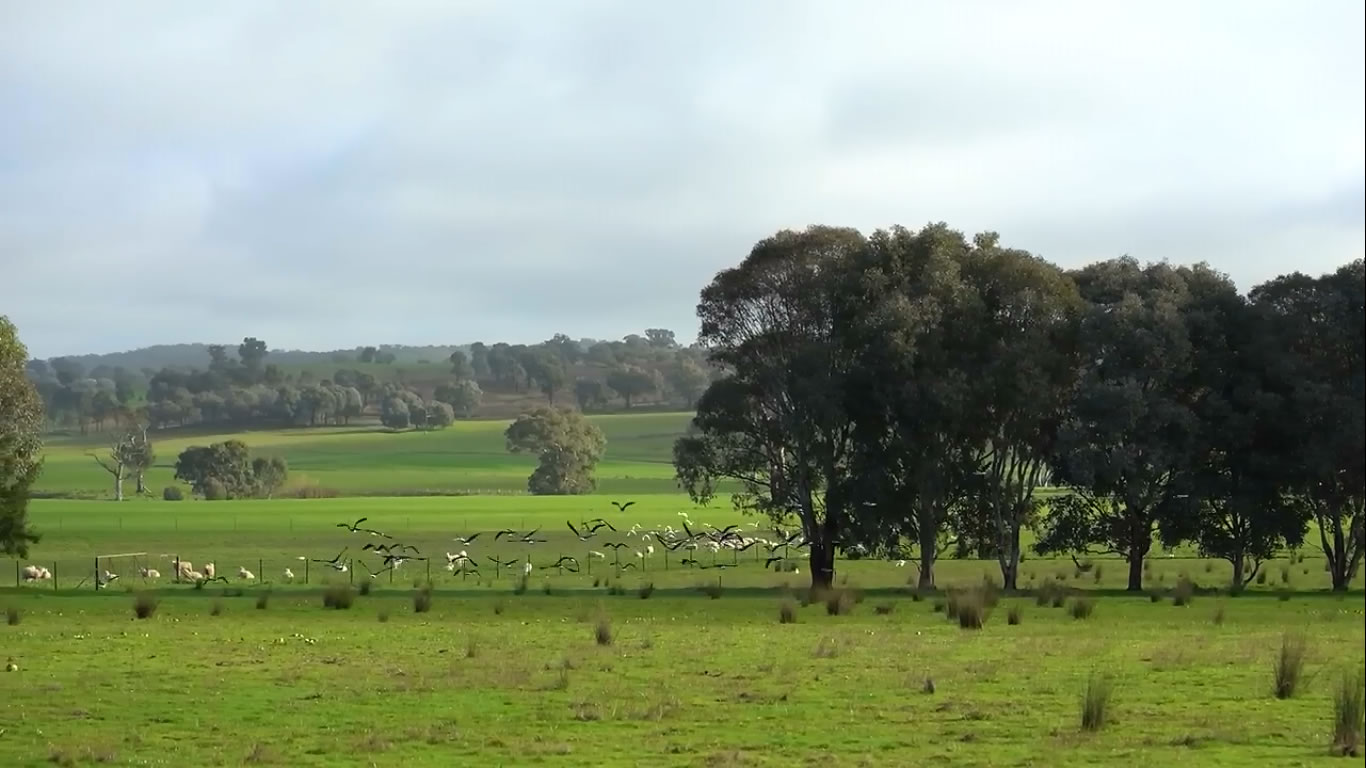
x: 907, y: 392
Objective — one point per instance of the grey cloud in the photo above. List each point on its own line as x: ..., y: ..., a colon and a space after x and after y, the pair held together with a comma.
x: 323, y: 174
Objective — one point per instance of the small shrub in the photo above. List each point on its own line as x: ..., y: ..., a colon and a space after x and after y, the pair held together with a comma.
x: 263, y: 600
x: 939, y: 606
x: 602, y: 631
x: 882, y: 609
x: 646, y: 589
x: 1261, y: 577
x: 917, y: 595
x: 787, y: 611
x: 972, y: 610
x: 1347, y: 714
x: 713, y: 591
x: 172, y: 493
x: 144, y: 605
x: 615, y: 588
x: 1015, y: 615
x: 339, y: 597
x: 1284, y: 596
x: 1095, y: 703
x: 13, y: 615
x: 519, y: 586
x: 365, y: 587
x: 1289, y: 666
x: 1081, y: 608
x: 499, y: 606
x: 1155, y: 597
x: 1184, y: 592
x: 422, y: 600
x: 839, y: 602
x: 217, y: 608
x: 928, y: 686
x: 1218, y: 617
x: 214, y: 491
x: 383, y: 615
x: 827, y: 648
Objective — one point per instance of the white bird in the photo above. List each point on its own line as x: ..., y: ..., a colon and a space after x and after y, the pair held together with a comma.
x: 526, y: 569
x: 650, y: 550
x: 243, y: 573
x: 10, y: 666
x: 108, y: 576
x: 901, y: 563
x: 597, y: 554
x: 288, y: 575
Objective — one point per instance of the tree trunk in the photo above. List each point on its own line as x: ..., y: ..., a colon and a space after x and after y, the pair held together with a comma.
x: 822, y: 563
x: 1136, y: 569
x: 928, y: 542
x: 1009, y: 557
x: 118, y: 485
x: 142, y: 487
x: 1239, y: 564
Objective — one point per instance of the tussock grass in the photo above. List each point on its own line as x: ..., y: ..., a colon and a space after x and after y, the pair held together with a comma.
x: 827, y: 648
x: 939, y: 605
x: 1081, y: 608
x: 339, y: 597
x: 972, y: 609
x: 1261, y: 577
x: 519, y: 586
x: 545, y: 587
x: 383, y: 614
x: 13, y: 615
x: 422, y: 599
x: 1155, y: 597
x: 615, y: 588
x: 216, y: 609
x: 1095, y: 703
x: 471, y: 647
x: 646, y: 590
x: 1288, y: 668
x: 1347, y: 713
x: 839, y: 602
x: 602, y: 631
x: 1218, y: 617
x: 1184, y: 592
x: 714, y: 591
x: 1014, y: 615
x: 365, y: 587
x: 928, y: 686
x: 882, y: 609
x: 499, y: 606
x: 787, y: 611
x: 263, y: 600
x: 144, y: 605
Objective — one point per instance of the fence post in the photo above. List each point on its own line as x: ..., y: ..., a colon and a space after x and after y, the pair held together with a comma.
x: 54, y: 575
x: 260, y: 570
x: 16, y: 572
x: 305, y: 573
x: 351, y: 570
x: 97, y: 574
x: 429, y: 570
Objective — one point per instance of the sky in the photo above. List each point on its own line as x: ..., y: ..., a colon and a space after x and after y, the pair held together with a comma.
x: 324, y: 174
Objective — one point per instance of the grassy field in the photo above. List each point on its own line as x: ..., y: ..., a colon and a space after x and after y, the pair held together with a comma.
x: 698, y: 669
x: 469, y: 457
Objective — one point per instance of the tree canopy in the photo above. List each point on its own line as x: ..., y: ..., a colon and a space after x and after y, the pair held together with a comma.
x: 21, y: 418
x: 568, y: 448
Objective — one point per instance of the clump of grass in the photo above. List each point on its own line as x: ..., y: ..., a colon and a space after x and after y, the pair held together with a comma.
x: 1184, y: 592
x: 422, y: 599
x: 1015, y: 615
x: 1285, y: 574
x: 827, y: 648
x: 1209, y: 567
x: 1058, y: 598
x: 383, y: 615
x: 972, y: 609
x: 1289, y: 666
x: 787, y: 611
x: 1081, y: 608
x: 339, y: 597
x: 602, y: 631
x: 597, y: 582
x: 615, y: 588
x: 882, y: 609
x: 1097, y: 573
x: 939, y: 606
x: 1155, y: 597
x: 1347, y: 713
x: 917, y: 595
x: 1218, y: 617
x: 1095, y: 703
x: 499, y: 606
x: 713, y: 591
x: 562, y: 681
x: 928, y: 686
x: 263, y: 600
x: 471, y: 647
x: 646, y: 589
x: 545, y: 586
x: 13, y: 615
x: 839, y: 602
x: 217, y: 608
x: 1284, y: 596
x: 519, y: 586
x: 144, y: 605
x: 365, y: 587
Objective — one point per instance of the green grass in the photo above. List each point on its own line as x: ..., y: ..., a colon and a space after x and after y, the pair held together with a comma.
x: 469, y: 457
x: 300, y: 685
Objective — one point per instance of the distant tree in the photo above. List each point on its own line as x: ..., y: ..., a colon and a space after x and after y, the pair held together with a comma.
x: 590, y: 393
x: 631, y: 382
x: 393, y: 413
x: 439, y: 415
x: 417, y: 412
x: 545, y: 371
x: 273, y: 375
x: 21, y: 421
x: 350, y: 403
x: 226, y: 466
x: 688, y: 379
x: 268, y: 475
x: 462, y: 396
x: 460, y: 365
x: 565, y: 349
x: 568, y: 447
x: 67, y: 370
x: 367, y: 354
x: 662, y: 338
x: 479, y: 360
x: 252, y: 352
x: 218, y: 357
x: 385, y: 358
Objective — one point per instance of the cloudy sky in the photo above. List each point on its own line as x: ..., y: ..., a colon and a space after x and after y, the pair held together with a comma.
x: 326, y: 174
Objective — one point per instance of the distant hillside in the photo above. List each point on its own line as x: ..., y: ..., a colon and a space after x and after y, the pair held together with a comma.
x: 197, y: 356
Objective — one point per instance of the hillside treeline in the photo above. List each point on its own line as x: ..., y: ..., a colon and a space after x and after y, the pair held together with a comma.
x: 907, y: 392
x: 245, y: 387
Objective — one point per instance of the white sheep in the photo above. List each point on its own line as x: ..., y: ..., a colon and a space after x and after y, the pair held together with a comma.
x: 243, y: 573
x: 209, y: 570
x: 36, y: 573
x: 149, y: 573
x: 192, y: 576
x: 288, y: 575
x: 184, y: 567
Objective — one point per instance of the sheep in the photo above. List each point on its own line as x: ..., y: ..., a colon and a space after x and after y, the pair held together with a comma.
x: 209, y: 570
x: 288, y: 575
x: 184, y: 567
x: 243, y: 573
x: 36, y: 573
x: 192, y: 576
x: 149, y: 573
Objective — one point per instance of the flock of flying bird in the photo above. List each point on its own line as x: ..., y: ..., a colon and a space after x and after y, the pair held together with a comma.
x: 393, y: 553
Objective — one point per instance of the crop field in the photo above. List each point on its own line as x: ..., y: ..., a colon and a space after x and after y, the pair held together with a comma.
x: 632, y: 657
x: 468, y: 457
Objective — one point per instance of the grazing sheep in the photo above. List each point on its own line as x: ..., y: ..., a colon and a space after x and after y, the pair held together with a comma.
x: 149, y: 573
x: 184, y: 568
x: 288, y: 576
x: 243, y: 573
x: 192, y: 576
x: 209, y: 570
x: 35, y: 573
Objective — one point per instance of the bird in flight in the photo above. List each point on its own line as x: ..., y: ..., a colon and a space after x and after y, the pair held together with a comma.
x: 622, y: 507
x: 596, y: 523
x: 465, y: 541
x: 577, y: 535
x: 355, y: 528
x: 335, y: 562
x: 566, y: 562
x: 530, y: 538
x: 504, y: 532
